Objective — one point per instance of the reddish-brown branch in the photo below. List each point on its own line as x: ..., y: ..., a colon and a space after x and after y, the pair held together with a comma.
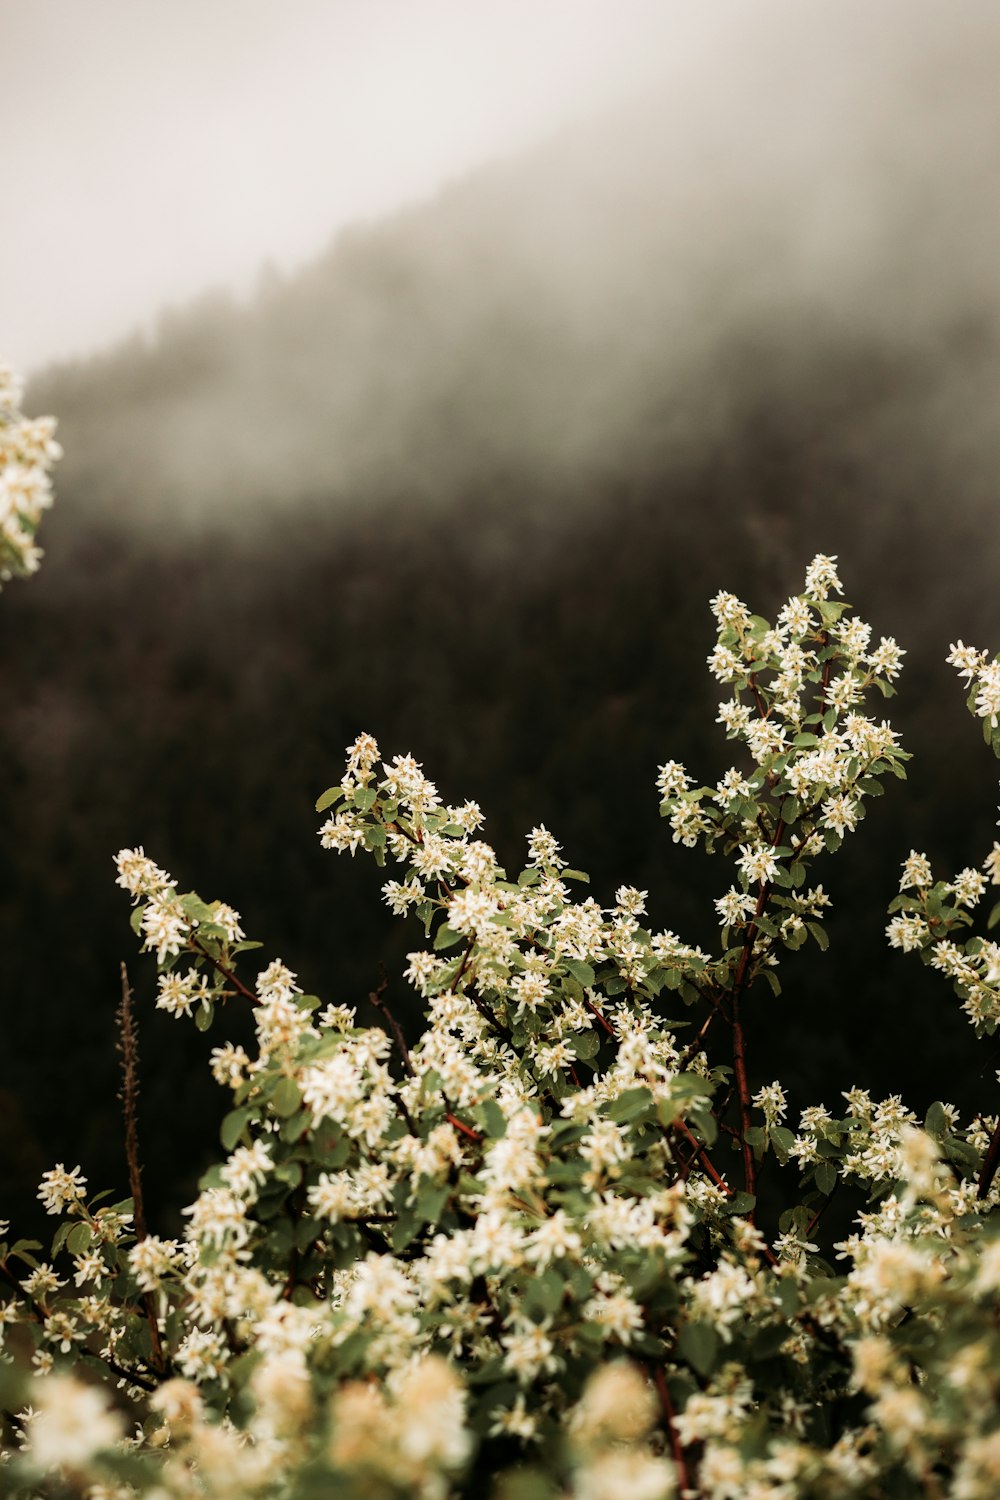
x: 695, y: 1046
x: 466, y: 1130
x: 601, y: 1019
x: 990, y: 1164
x: 743, y: 1093
x: 699, y: 1151
x: 226, y: 973
x: 669, y: 1420
x: 756, y: 696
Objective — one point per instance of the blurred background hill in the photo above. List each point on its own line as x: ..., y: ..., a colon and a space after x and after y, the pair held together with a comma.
x: 468, y: 481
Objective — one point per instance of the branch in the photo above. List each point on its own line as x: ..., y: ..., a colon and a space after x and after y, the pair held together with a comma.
x: 739, y: 1041
x: 217, y: 963
x: 601, y: 1019
x: 466, y: 1130
x: 128, y: 1047
x: 375, y: 999
x: 701, y: 1154
x: 990, y: 1164
x: 821, y: 1210
x: 676, y: 1446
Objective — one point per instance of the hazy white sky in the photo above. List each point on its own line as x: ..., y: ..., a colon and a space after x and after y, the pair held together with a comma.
x: 153, y: 148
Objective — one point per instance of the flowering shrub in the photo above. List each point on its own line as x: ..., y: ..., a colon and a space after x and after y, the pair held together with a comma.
x: 523, y: 1256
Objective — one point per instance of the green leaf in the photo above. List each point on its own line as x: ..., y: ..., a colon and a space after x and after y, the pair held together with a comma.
x: 580, y: 875
x: 698, y: 1343
x: 290, y: 1172
x: 286, y: 1097
x: 446, y: 937
x: 705, y: 1124
x: 630, y: 1105
x: 330, y: 796
x: 232, y: 1125
x: 203, y: 1015
x: 79, y: 1239
x: 740, y: 1203
x: 365, y: 798
x: 58, y: 1241
x: 491, y: 1118
x: 585, y: 1044
x: 195, y: 908
x: 431, y: 1200
x: 782, y: 1140
x: 544, y: 1294
x: 826, y: 1177
x: 936, y: 1123
x: 818, y: 933
x: 579, y: 970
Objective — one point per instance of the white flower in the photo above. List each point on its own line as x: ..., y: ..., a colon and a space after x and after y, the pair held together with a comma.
x: 771, y: 1099
x: 60, y: 1189
x: 916, y: 872
x: 821, y: 577
x: 71, y: 1423
x: 757, y: 863
x: 543, y: 849
x: 672, y: 779
x: 138, y: 875
x: 165, y: 924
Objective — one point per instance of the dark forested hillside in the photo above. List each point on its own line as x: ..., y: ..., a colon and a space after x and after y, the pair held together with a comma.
x: 468, y: 482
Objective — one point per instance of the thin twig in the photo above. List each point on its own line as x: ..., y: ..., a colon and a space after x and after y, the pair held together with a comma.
x: 375, y: 999
x: 226, y: 973
x: 466, y: 1130
x: 990, y: 1164
x: 670, y: 1418
x: 739, y: 1041
x: 128, y: 1046
x: 821, y: 1210
x: 602, y: 1019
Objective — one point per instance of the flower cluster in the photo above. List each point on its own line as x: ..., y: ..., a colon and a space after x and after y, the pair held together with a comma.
x: 28, y: 450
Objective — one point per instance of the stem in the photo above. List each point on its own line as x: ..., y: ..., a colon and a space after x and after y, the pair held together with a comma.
x: 375, y: 999
x: 701, y: 1154
x: 228, y: 974
x: 739, y: 1041
x: 601, y: 1019
x: 821, y: 1210
x: 990, y: 1164
x: 695, y: 1046
x: 669, y: 1418
x: 466, y: 1130
x: 743, y: 1091
x: 128, y: 1046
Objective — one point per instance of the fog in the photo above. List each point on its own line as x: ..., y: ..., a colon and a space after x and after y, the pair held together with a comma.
x: 810, y: 187
x: 155, y: 150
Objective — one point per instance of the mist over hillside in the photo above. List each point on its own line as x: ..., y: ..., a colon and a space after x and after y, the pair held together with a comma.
x: 468, y: 481
x: 801, y: 218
